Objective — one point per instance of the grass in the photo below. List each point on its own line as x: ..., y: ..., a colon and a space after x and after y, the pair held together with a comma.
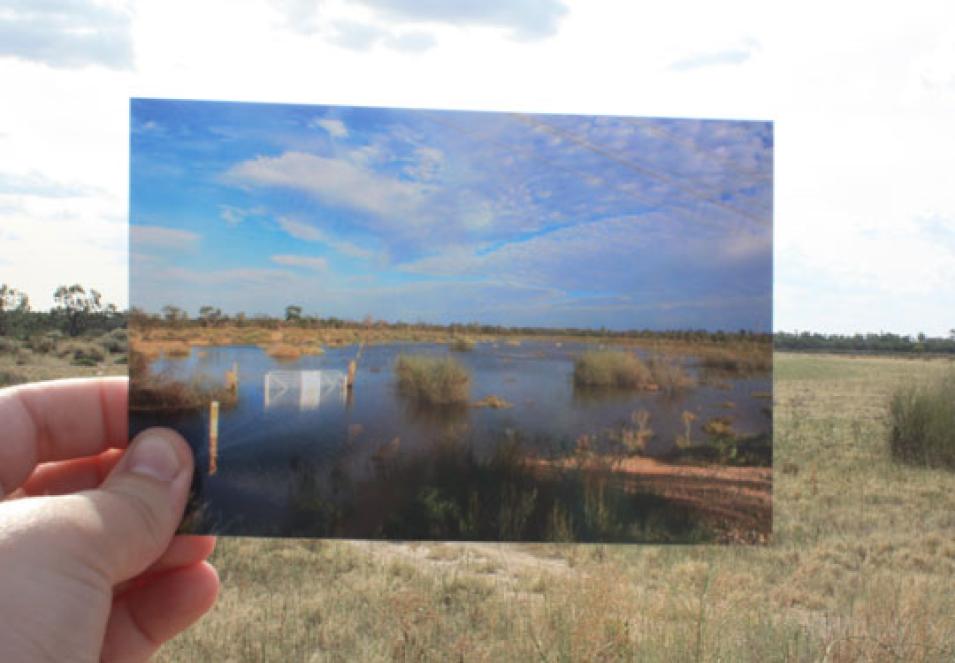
x: 861, y: 568
x: 432, y: 380
x: 283, y: 352
x: 669, y: 375
x: 462, y: 344
x: 150, y: 392
x: 611, y: 369
x: 744, y: 358
x: 922, y: 423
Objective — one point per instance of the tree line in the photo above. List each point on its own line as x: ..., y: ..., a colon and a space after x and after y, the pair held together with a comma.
x: 79, y: 310
x: 882, y: 343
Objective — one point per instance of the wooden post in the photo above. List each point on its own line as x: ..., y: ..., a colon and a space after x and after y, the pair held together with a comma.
x: 213, y: 437
x: 352, y: 369
x: 232, y: 378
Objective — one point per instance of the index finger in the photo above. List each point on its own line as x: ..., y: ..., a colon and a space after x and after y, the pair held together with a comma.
x: 59, y: 420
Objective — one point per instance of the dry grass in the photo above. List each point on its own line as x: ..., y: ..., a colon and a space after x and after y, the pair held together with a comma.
x: 283, y: 352
x: 861, y: 568
x: 462, y: 344
x: 432, y: 380
x: 736, y: 358
x: 611, y: 369
x: 922, y: 427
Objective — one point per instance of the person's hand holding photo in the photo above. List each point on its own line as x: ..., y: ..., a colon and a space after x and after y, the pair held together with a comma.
x: 90, y: 567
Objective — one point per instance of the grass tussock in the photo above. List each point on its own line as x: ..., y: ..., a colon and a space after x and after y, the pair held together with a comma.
x: 612, y: 369
x: 433, y: 380
x: 493, y: 402
x: 461, y: 344
x: 283, y: 352
x: 668, y: 374
x: 922, y: 423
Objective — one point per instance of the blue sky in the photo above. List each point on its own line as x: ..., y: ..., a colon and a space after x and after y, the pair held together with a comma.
x: 441, y: 216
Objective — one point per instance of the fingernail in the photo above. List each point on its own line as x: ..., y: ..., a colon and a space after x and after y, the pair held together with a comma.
x: 153, y: 456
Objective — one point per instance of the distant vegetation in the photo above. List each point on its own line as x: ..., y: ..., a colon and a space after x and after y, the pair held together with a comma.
x: 867, y: 343
x: 922, y: 423
x: 433, y: 380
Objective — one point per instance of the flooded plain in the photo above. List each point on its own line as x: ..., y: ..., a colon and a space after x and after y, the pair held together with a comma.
x: 299, y: 454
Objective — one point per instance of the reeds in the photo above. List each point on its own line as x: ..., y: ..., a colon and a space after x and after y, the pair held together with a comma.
x: 432, y: 380
x: 283, y: 352
x: 612, y: 369
x: 149, y: 392
x: 669, y: 375
x: 461, y: 344
x: 922, y: 423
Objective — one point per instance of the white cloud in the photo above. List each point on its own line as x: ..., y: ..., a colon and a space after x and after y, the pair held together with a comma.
x: 332, y: 181
x: 335, y: 128
x: 308, y: 262
x: 66, y: 33
x: 235, y: 215
x: 310, y: 233
x: 162, y: 237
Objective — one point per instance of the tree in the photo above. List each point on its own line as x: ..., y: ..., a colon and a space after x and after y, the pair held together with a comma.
x: 293, y: 313
x: 174, y: 315
x: 209, y: 315
x: 77, y: 305
x: 11, y: 300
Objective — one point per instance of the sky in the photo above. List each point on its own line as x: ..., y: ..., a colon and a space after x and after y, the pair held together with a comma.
x: 860, y: 94
x: 514, y: 219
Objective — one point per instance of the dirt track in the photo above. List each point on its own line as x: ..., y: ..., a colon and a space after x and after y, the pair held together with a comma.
x: 737, y: 501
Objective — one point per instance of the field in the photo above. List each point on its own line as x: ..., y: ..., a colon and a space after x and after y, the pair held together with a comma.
x: 861, y: 567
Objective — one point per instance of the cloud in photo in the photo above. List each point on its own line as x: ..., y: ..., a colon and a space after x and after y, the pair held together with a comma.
x: 314, y: 263
x: 160, y: 237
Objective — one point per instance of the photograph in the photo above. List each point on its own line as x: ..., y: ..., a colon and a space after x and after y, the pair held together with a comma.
x: 446, y: 325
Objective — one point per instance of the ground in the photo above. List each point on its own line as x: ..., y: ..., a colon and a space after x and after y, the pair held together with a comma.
x: 860, y: 567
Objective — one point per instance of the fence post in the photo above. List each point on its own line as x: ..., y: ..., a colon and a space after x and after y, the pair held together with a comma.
x: 213, y: 437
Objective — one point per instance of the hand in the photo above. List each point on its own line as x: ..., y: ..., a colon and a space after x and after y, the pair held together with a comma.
x: 90, y: 568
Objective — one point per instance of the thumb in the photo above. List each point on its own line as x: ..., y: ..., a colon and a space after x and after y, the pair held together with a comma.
x: 131, y: 519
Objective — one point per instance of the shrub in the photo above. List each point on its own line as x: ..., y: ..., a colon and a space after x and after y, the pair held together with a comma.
x: 115, y: 341
x: 611, y: 368
x: 8, y: 346
x: 433, y: 380
x: 669, y: 374
x: 82, y: 353
x: 42, y: 343
x: 922, y: 423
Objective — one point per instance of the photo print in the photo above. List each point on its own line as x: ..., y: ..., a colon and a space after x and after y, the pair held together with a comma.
x: 380, y: 323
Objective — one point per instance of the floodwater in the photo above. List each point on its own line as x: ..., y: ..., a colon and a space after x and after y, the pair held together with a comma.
x: 285, y: 422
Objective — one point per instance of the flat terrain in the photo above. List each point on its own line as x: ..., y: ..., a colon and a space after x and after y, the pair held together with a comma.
x: 860, y: 567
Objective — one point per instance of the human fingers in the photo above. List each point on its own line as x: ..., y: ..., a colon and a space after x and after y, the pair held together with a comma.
x: 71, y: 476
x: 121, y: 528
x: 50, y: 421
x: 148, y: 615
x: 185, y: 550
